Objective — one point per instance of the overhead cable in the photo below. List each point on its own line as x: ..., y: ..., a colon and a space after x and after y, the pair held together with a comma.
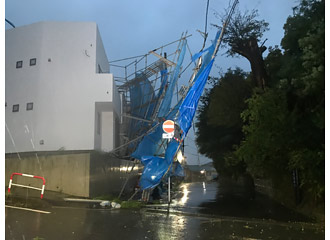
x: 205, y: 30
x: 10, y: 23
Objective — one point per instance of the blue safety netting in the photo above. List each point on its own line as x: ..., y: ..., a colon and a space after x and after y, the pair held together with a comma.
x: 143, y: 104
x: 163, y: 82
x: 151, y: 144
x: 189, y: 105
x: 178, y: 171
x: 166, y: 102
x: 207, y: 57
x: 155, y: 168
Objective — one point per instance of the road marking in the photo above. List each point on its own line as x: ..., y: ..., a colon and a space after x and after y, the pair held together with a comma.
x: 28, y: 209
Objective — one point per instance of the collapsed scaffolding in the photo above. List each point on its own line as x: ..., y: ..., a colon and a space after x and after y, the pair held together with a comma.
x: 159, y: 156
x: 147, y: 84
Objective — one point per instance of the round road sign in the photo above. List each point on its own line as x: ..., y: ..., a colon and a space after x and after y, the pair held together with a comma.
x: 168, y: 126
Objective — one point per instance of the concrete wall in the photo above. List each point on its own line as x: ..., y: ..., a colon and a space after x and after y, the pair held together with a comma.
x: 64, y: 172
x: 106, y: 126
x: 102, y: 58
x: 63, y: 85
x: 77, y: 173
x: 108, y: 175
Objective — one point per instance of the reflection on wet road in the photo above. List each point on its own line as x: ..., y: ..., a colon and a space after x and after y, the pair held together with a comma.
x: 83, y: 223
x: 193, y: 194
x: 189, y: 198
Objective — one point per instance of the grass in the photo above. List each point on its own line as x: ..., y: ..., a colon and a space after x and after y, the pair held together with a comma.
x: 106, y: 197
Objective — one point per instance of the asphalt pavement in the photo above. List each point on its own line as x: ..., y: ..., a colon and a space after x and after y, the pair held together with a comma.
x: 198, y: 211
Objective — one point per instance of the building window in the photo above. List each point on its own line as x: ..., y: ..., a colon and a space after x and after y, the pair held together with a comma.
x: 29, y: 106
x: 33, y: 61
x: 19, y: 64
x: 16, y: 108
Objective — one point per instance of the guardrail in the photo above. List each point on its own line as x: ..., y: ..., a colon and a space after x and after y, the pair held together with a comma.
x: 42, y: 189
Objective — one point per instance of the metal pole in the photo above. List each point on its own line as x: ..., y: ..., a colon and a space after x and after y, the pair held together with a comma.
x: 224, y: 28
x: 126, y: 73
x: 169, y: 190
x: 169, y: 186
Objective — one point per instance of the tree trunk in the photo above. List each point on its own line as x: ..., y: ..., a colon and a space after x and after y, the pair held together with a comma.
x: 250, y: 50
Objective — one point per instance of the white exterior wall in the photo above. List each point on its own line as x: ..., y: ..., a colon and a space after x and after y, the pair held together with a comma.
x: 107, y: 142
x: 64, y: 89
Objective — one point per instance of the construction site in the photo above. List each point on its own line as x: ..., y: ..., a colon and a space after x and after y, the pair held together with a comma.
x: 131, y: 146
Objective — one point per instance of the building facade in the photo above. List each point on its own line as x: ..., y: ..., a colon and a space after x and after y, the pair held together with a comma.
x: 59, y: 92
x: 63, y: 111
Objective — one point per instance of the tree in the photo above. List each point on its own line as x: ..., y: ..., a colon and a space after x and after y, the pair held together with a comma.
x: 228, y: 99
x: 243, y: 36
x: 219, y: 124
x: 267, y: 132
x: 284, y: 127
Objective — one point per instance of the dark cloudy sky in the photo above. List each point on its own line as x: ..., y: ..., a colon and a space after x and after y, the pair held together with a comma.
x: 131, y: 27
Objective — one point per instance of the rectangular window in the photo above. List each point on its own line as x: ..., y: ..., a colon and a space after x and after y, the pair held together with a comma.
x: 33, y: 61
x: 16, y: 108
x: 29, y: 106
x: 19, y: 64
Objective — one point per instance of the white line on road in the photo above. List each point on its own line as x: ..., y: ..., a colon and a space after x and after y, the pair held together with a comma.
x: 28, y: 209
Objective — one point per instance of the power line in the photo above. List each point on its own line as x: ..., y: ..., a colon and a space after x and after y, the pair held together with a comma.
x: 10, y: 23
x: 205, y: 30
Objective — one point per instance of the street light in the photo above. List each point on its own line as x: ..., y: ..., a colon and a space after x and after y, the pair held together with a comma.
x: 180, y: 157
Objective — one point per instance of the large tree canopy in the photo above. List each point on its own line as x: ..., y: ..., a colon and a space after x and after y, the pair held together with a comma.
x: 282, y: 128
x: 243, y: 35
x: 219, y: 124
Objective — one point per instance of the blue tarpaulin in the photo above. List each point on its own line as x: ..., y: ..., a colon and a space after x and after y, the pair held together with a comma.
x: 155, y: 168
x: 178, y: 170
x: 141, y: 90
x: 150, y: 144
x: 163, y: 83
x: 188, y: 107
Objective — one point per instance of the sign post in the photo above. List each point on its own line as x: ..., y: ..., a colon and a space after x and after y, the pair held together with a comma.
x: 169, y: 190
x: 168, y: 127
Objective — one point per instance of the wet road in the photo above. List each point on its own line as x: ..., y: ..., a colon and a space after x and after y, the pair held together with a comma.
x: 190, y: 217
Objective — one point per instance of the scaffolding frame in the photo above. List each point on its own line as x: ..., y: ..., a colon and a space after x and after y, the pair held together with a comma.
x: 143, y: 69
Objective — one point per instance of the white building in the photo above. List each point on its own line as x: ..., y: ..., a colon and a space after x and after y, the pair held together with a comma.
x: 59, y: 92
